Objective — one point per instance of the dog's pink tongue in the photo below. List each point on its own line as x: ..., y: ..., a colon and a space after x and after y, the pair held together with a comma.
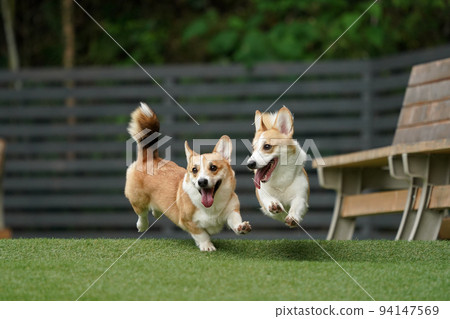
x: 258, y: 177
x: 207, y: 196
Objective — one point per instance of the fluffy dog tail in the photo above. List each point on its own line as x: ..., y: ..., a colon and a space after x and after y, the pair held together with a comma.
x: 144, y: 128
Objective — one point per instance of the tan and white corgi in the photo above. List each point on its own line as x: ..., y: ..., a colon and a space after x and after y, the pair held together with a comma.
x: 281, y: 182
x: 200, y: 200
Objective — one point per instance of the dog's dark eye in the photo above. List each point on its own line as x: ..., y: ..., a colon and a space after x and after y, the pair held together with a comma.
x: 213, y: 168
x: 195, y: 170
x: 267, y: 146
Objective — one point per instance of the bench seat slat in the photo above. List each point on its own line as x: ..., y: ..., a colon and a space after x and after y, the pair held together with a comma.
x: 373, y: 157
x: 379, y: 156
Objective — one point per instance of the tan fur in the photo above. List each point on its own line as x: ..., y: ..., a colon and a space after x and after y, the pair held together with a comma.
x: 273, y: 135
x: 162, y: 191
x: 276, y: 130
x: 144, y: 189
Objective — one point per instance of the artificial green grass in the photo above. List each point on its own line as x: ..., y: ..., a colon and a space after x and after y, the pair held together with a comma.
x: 62, y: 269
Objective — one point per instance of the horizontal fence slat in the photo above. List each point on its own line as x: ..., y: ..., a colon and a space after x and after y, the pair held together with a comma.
x: 64, y: 147
x: 65, y: 166
x: 119, y: 147
x: 127, y: 219
x: 209, y: 127
x: 228, y: 90
x: 88, y: 184
x: 225, y: 71
x: 112, y: 201
x: 390, y: 103
x: 37, y: 130
x: 298, y: 107
x: 392, y: 82
x: 406, y: 60
x: 61, y: 183
x: 176, y: 71
x: 54, y: 112
x: 46, y: 93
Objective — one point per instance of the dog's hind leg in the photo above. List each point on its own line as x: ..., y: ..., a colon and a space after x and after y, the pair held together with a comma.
x: 142, y: 212
x: 156, y: 213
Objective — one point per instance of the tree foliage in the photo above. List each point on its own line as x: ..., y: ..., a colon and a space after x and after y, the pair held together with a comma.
x: 229, y: 30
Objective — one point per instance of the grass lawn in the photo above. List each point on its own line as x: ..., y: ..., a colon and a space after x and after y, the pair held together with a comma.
x: 61, y: 269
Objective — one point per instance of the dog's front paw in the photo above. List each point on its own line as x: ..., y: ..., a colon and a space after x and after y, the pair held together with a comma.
x: 275, y: 208
x: 207, y: 246
x: 291, y: 222
x: 243, y: 228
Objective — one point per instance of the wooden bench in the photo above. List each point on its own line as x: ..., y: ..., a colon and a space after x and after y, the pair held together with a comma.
x: 4, y: 232
x: 411, y: 176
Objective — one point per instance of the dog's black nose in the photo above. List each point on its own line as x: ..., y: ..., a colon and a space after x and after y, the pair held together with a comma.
x: 202, y: 182
x: 251, y: 165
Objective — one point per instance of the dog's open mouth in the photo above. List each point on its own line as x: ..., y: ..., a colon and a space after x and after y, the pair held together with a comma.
x: 208, y: 194
x: 263, y: 174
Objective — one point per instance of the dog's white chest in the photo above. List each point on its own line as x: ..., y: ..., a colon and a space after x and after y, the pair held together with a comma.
x: 284, y: 187
x: 210, y: 220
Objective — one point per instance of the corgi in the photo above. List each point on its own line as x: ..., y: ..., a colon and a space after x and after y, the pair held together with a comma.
x: 199, y: 199
x: 282, y: 185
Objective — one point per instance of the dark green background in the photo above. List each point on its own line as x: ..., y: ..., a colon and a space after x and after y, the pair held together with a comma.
x: 181, y: 31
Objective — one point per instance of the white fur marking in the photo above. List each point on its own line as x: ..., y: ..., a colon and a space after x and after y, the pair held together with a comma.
x: 146, y: 109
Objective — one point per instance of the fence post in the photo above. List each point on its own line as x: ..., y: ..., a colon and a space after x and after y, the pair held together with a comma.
x: 367, y: 131
x: 168, y: 103
x: 367, y: 111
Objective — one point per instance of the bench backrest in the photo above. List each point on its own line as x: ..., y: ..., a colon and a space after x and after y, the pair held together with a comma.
x: 425, y: 114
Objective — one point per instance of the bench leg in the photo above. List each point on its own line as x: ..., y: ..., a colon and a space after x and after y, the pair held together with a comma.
x: 431, y: 170
x: 429, y: 226
x: 408, y: 216
x: 397, y: 171
x: 344, y: 181
x: 340, y: 228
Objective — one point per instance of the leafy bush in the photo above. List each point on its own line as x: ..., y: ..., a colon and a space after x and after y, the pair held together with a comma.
x: 229, y: 30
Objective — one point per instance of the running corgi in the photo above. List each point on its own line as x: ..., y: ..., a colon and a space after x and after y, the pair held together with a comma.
x: 282, y: 185
x: 200, y: 200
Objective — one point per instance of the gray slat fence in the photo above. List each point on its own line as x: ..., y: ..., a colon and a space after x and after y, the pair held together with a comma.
x: 65, y: 166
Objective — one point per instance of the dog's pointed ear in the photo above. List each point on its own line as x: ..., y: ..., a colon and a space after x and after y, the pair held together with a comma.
x: 188, y: 151
x: 284, y: 121
x: 224, y: 147
x: 259, y: 122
